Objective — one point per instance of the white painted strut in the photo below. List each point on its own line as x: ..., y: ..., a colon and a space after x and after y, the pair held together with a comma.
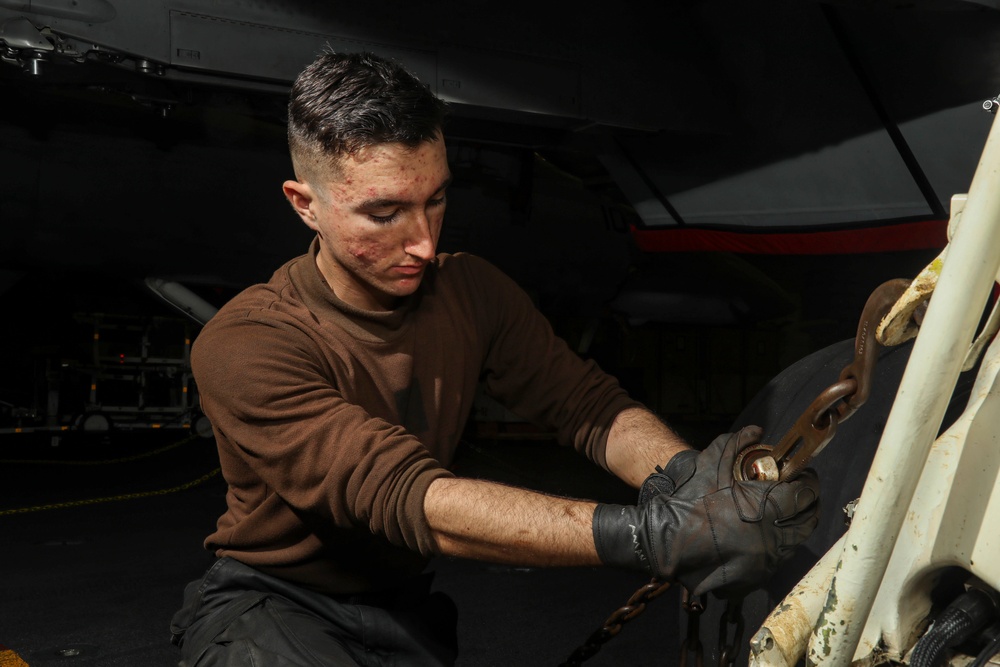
x: 831, y: 607
x: 940, y: 349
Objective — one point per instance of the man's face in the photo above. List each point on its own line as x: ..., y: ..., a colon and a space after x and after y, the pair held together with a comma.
x: 379, y: 219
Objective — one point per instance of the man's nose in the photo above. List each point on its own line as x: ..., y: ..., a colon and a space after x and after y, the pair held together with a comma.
x: 421, y: 243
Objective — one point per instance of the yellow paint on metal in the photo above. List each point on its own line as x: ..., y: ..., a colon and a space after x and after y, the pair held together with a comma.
x: 10, y: 659
x: 898, y: 326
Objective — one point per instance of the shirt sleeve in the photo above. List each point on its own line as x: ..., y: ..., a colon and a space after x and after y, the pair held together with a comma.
x: 263, y: 384
x: 537, y: 376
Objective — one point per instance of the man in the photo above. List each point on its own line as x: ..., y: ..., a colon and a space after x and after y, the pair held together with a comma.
x: 339, y: 389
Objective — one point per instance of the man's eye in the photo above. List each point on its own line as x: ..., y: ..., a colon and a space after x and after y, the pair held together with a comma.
x: 437, y: 202
x: 383, y: 219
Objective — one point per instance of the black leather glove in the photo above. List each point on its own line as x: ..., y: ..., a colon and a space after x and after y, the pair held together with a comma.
x: 666, y: 480
x: 711, y: 532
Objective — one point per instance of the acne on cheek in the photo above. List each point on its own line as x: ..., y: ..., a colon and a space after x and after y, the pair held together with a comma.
x: 365, y: 250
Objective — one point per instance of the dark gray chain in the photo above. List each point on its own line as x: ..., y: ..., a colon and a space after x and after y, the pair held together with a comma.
x: 732, y: 618
x: 636, y: 605
x: 691, y: 647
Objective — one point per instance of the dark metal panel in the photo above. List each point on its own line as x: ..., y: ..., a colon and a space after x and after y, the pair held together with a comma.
x: 256, y: 50
x: 803, y: 147
x: 505, y: 80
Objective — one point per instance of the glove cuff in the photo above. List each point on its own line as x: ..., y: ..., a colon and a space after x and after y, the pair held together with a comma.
x: 617, y: 537
x: 681, y: 467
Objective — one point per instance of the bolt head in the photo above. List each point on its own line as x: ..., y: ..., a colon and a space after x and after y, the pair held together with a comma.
x: 765, y: 469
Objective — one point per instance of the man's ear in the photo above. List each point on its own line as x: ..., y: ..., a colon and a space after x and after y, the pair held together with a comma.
x: 302, y: 198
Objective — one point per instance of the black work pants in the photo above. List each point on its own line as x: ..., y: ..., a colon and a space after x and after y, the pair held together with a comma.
x: 236, y: 616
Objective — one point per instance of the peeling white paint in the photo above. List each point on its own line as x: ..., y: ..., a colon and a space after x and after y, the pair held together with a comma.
x: 915, y: 519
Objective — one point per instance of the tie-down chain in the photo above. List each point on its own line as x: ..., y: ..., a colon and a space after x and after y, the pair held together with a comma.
x: 807, y: 437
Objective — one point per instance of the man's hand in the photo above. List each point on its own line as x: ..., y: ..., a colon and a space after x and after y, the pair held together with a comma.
x: 709, y: 531
x: 666, y: 480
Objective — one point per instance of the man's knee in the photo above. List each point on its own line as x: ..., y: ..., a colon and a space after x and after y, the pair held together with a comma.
x: 271, y: 632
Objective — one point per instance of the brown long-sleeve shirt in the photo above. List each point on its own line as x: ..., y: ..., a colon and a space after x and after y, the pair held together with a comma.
x: 331, y: 422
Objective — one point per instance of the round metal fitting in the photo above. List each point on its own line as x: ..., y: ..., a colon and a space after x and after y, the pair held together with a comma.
x: 756, y: 463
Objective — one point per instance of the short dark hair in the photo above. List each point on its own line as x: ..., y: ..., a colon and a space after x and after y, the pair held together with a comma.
x: 344, y: 102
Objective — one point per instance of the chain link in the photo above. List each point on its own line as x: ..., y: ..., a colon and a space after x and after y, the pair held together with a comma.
x: 732, y: 617
x: 691, y: 647
x: 635, y: 605
x: 818, y: 424
x: 815, y: 427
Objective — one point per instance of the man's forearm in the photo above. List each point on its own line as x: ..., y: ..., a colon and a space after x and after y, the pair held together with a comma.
x: 637, y: 443
x: 502, y: 524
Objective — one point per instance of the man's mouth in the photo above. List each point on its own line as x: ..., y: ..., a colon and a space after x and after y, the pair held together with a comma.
x: 409, y: 269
